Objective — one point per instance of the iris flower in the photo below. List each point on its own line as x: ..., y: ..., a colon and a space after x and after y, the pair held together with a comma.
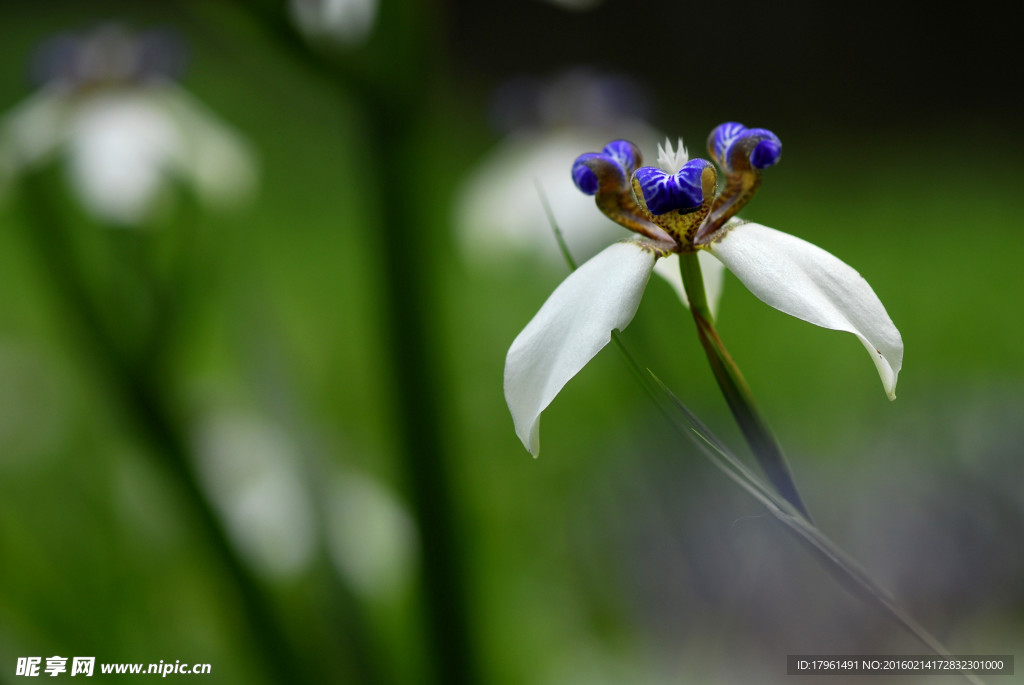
x: 678, y: 208
x: 110, y: 105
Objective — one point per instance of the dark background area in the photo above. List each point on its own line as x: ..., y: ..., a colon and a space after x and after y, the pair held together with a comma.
x: 846, y: 68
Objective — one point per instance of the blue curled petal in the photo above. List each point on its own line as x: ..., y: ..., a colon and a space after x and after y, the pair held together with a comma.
x: 624, y: 153
x: 768, y: 151
x: 656, y: 186
x: 722, y: 138
x: 583, y: 176
x: 618, y: 159
x: 761, y: 147
x: 689, y: 187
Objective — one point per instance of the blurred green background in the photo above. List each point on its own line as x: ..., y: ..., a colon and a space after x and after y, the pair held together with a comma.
x: 292, y: 460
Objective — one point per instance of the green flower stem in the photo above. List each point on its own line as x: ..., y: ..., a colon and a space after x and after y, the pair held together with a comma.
x: 735, y: 389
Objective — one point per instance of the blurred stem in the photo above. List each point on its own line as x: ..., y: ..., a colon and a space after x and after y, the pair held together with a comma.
x: 136, y: 389
x: 393, y: 92
x: 407, y: 301
x: 735, y: 389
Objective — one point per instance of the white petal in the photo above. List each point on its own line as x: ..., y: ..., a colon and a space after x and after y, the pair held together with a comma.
x: 371, y: 538
x: 712, y: 270
x: 803, y: 280
x: 33, y: 128
x: 121, y: 146
x: 213, y: 157
x: 252, y: 472
x: 31, y: 131
x: 572, y: 326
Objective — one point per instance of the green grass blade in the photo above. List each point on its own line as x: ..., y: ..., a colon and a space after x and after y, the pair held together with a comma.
x: 840, y: 564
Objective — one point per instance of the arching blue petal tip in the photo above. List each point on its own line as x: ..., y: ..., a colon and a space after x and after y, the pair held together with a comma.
x: 624, y: 153
x: 722, y: 137
x: 583, y: 176
x: 766, y: 153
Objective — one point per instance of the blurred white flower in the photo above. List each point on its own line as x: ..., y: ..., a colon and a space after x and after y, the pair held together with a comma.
x: 252, y: 473
x: 342, y: 21
x: 128, y: 131
x: 371, y: 538
x: 498, y: 210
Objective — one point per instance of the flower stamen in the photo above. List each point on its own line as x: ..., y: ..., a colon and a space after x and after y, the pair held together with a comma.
x: 672, y: 160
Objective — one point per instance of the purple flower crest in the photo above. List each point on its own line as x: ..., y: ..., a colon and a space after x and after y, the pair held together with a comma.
x: 664, y: 192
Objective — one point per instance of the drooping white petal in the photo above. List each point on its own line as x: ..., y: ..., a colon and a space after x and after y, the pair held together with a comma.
x: 252, y: 472
x: 31, y: 131
x: 572, y: 326
x: 120, y: 149
x: 371, y: 538
x: 214, y: 157
x: 807, y: 282
x: 712, y: 270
